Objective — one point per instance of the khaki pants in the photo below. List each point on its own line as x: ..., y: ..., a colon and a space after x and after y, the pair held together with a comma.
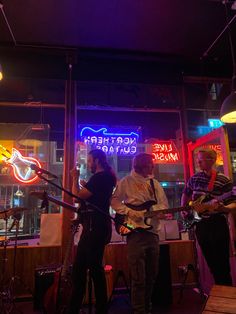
x: 143, y: 258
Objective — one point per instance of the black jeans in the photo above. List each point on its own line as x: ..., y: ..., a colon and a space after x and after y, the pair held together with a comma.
x: 89, y: 256
x: 213, y: 237
x: 143, y: 258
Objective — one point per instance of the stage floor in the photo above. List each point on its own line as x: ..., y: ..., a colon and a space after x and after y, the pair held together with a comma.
x: 191, y: 303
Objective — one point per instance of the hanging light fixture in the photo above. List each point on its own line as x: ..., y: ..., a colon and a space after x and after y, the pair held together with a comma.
x: 19, y: 193
x: 228, y: 108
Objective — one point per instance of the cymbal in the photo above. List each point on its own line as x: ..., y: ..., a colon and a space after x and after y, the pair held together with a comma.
x: 4, y: 214
x: 11, y: 211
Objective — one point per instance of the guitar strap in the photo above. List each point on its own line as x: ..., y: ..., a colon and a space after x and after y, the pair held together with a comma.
x: 212, y: 180
x: 153, y: 189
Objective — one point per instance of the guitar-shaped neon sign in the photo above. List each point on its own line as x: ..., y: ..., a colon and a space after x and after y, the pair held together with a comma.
x: 20, y: 164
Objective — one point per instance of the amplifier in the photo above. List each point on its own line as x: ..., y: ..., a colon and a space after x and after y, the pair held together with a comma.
x: 44, y: 277
x: 162, y: 292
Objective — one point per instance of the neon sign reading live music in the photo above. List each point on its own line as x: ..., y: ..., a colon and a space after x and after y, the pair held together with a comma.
x: 165, y: 152
x: 110, y: 143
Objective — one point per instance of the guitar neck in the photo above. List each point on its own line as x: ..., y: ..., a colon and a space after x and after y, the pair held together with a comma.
x: 68, y: 250
x: 168, y: 211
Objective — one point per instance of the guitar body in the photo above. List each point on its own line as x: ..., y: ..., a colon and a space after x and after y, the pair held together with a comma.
x: 51, y: 296
x: 208, y: 203
x: 121, y: 220
x: 64, y: 294
x: 57, y: 297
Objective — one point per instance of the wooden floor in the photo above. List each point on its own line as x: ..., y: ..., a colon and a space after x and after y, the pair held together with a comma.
x: 222, y: 299
x: 191, y: 303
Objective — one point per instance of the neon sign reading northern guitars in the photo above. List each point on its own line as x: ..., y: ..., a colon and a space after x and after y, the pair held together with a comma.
x: 165, y: 152
x: 110, y: 143
x: 20, y: 164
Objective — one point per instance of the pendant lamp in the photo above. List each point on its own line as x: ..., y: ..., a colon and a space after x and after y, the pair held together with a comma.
x: 228, y: 108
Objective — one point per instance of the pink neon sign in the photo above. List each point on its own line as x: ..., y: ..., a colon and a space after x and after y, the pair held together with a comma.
x: 21, y: 166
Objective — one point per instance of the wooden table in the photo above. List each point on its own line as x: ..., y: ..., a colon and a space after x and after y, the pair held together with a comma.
x: 222, y: 299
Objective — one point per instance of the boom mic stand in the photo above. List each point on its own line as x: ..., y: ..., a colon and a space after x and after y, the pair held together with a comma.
x: 45, y: 203
x: 82, y: 202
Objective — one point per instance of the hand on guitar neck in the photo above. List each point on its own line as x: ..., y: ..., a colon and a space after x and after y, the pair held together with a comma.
x: 208, y: 208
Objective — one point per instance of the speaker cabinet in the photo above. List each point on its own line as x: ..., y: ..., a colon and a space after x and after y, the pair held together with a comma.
x: 162, y: 292
x: 44, y: 278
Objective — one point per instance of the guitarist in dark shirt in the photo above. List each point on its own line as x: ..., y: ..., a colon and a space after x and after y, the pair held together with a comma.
x: 96, y: 231
x: 212, y: 230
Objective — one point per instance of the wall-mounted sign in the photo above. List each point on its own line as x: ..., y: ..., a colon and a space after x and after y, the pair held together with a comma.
x: 110, y: 143
x: 20, y: 164
x: 165, y: 152
x: 215, y: 123
x: 205, y: 129
x: 217, y: 149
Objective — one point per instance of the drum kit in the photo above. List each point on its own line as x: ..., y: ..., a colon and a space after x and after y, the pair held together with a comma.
x: 7, y: 304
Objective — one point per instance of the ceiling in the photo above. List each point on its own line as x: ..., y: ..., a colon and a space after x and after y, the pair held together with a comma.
x: 179, y: 30
x: 131, y: 41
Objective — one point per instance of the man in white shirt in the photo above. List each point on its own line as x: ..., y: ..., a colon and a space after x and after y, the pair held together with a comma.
x: 143, y: 244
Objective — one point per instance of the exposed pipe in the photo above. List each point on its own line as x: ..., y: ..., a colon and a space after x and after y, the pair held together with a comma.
x: 30, y: 104
x: 205, y: 54
x: 124, y: 109
x: 8, y: 25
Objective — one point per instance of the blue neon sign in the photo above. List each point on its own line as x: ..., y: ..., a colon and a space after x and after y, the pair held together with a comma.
x: 110, y: 143
x: 215, y: 123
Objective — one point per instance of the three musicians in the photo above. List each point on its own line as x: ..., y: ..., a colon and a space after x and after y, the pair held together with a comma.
x: 143, y: 245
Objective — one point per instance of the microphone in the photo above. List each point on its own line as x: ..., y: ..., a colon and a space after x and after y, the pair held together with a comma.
x: 39, y: 170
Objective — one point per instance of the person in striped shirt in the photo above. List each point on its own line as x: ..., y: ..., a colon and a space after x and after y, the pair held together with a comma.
x: 212, y: 230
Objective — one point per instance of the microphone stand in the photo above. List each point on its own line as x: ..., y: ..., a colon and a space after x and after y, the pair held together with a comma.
x: 83, y: 206
x: 81, y: 201
x: 41, y: 176
x: 45, y: 203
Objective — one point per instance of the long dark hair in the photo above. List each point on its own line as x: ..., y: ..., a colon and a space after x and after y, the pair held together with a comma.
x: 102, y: 159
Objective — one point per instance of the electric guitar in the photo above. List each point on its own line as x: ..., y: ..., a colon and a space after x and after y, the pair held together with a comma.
x: 210, y: 202
x: 124, y: 225
x: 57, y: 297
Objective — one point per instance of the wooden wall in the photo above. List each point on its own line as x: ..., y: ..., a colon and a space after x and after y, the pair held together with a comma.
x: 28, y: 258
x: 181, y: 253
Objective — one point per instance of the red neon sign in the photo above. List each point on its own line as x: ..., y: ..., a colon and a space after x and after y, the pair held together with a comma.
x: 165, y: 152
x: 20, y: 164
x: 217, y: 149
